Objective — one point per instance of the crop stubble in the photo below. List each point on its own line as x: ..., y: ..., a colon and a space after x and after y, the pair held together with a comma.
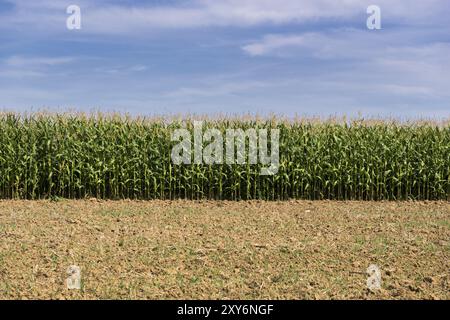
x: 242, y: 250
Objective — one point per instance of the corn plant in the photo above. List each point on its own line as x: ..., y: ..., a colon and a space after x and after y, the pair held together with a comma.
x: 117, y: 157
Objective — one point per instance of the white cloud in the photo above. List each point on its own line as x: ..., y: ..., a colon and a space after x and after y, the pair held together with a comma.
x: 408, y: 90
x: 271, y: 43
x: 20, y: 61
x: 396, y: 48
x: 138, y: 68
x: 201, y: 13
x: 29, y: 67
x: 111, y: 17
x: 219, y: 89
x: 121, y: 69
x: 325, y: 45
x: 21, y: 74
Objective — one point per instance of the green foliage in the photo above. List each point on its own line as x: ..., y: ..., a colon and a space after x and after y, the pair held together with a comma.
x: 114, y: 157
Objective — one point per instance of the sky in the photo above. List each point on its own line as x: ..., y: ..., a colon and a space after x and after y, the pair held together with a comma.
x: 288, y: 57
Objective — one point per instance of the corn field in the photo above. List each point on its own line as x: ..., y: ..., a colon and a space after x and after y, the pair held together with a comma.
x: 116, y: 157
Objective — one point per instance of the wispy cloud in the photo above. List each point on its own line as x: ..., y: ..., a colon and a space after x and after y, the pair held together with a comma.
x: 25, y: 67
x: 122, y: 69
x: 118, y: 17
x: 21, y: 61
x: 271, y: 43
x: 138, y: 68
x: 219, y: 89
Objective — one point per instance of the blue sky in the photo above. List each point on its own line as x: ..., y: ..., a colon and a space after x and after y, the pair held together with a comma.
x: 305, y: 57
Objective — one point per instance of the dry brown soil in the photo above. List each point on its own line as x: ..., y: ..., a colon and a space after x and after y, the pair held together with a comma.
x: 224, y: 250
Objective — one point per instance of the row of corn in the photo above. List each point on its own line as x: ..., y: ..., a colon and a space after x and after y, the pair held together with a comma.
x: 117, y: 157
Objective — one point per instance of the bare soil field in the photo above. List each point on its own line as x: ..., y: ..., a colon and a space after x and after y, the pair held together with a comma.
x: 224, y: 250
